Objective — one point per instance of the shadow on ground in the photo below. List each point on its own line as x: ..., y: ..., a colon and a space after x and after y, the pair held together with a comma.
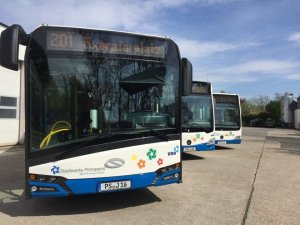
x: 287, y: 144
x: 190, y: 156
x: 16, y: 206
x: 218, y: 147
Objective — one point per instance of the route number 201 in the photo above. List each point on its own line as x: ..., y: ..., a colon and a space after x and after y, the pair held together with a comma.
x: 61, y: 40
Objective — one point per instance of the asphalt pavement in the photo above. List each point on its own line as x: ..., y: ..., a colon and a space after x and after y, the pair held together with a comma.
x: 256, y: 182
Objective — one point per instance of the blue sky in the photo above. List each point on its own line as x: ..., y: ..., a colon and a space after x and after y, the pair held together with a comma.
x: 249, y: 47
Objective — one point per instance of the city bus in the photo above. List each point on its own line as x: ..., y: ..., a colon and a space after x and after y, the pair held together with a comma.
x: 228, y: 122
x: 198, y: 119
x: 102, y: 109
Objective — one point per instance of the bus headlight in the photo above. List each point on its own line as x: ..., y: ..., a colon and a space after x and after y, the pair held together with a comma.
x: 237, y: 137
x: 42, y: 178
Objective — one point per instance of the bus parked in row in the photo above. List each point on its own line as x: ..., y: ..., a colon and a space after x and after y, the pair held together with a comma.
x: 228, y: 122
x: 198, y: 118
x: 103, y: 109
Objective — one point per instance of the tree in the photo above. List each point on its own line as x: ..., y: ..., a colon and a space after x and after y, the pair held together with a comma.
x: 273, y: 109
x: 261, y: 101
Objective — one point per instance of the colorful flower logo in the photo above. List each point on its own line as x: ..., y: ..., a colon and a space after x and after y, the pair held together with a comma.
x: 133, y: 157
x: 198, y: 136
x: 141, y: 164
x: 160, y: 161
x: 151, y: 153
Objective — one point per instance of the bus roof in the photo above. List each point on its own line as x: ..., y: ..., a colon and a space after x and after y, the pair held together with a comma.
x: 107, y: 30
x: 219, y: 93
x: 3, y: 25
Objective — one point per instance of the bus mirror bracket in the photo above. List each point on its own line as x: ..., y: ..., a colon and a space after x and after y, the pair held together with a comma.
x: 11, y: 37
x: 187, y: 76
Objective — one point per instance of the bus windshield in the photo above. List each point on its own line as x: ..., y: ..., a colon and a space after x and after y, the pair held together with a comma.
x: 75, y: 97
x: 197, y: 113
x: 227, y: 116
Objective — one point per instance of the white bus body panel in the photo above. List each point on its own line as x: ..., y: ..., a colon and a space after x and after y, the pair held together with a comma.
x: 130, y: 160
x: 225, y: 137
x: 198, y: 141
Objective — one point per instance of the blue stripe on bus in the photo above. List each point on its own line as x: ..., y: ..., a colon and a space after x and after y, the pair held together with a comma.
x: 200, y: 147
x: 91, y: 185
x: 161, y: 180
x: 59, y: 193
x: 235, y: 141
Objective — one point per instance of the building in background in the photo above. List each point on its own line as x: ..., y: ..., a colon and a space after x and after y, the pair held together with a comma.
x: 297, y: 114
x: 290, y: 111
x: 12, y: 102
x: 287, y: 113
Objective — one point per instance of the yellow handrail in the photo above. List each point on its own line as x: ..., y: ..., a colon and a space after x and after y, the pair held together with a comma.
x: 54, y: 130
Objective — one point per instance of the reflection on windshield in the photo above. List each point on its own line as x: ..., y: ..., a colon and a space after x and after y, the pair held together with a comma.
x: 227, y: 116
x: 75, y: 98
x: 197, y: 112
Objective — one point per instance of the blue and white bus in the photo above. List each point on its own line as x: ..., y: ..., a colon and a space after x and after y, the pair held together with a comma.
x: 198, y: 119
x: 102, y: 109
x: 228, y: 121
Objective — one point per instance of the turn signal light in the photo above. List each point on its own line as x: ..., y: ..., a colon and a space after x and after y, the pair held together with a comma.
x: 32, y: 177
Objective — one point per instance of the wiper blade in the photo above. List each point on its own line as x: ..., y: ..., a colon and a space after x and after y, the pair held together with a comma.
x: 158, y: 134
x: 227, y: 128
x: 61, y: 155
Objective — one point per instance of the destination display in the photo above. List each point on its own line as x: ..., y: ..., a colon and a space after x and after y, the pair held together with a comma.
x: 92, y: 41
x: 226, y: 99
x: 201, y: 88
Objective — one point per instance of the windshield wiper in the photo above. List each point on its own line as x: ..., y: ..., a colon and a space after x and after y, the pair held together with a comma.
x: 198, y: 129
x: 61, y: 155
x: 227, y: 128
x: 158, y: 134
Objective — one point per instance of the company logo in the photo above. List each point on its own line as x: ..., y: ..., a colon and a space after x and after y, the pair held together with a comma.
x: 133, y: 157
x: 175, y: 151
x: 114, y: 163
x: 151, y: 153
x: 160, y: 161
x: 141, y: 164
x: 55, y: 169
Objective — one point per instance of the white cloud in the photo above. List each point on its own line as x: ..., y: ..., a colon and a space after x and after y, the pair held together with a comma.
x: 116, y: 14
x: 129, y: 15
x: 263, y: 66
x: 230, y: 78
x: 175, y: 3
x: 197, y: 49
x: 293, y: 76
x: 251, y: 71
x: 295, y: 37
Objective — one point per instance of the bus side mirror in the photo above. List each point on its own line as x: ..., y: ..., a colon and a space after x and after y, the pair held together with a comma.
x: 10, y: 39
x: 187, y: 76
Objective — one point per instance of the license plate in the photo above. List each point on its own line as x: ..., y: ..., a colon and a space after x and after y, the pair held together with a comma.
x: 221, y: 142
x: 189, y: 149
x: 111, y: 186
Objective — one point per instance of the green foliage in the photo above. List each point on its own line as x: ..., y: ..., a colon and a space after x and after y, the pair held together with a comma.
x: 260, y: 108
x: 273, y: 109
